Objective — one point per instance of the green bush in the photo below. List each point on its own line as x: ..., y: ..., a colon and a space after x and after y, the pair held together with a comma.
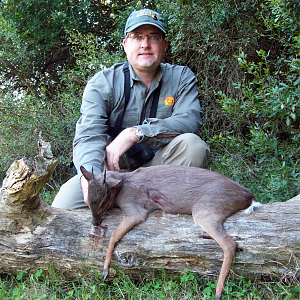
x: 245, y: 56
x: 264, y: 143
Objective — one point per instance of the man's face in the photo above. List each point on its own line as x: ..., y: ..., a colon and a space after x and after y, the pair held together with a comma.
x: 144, y: 55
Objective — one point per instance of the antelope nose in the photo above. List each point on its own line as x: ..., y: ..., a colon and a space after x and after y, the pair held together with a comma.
x: 96, y: 221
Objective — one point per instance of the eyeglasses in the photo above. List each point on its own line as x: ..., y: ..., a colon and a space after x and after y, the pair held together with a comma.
x: 139, y: 37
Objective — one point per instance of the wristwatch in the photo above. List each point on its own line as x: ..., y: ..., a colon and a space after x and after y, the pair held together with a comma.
x: 139, y: 133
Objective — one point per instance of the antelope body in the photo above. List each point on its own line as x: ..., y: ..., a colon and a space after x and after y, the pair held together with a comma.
x: 208, y: 196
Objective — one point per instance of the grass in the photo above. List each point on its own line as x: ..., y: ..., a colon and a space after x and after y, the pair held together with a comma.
x: 187, y: 286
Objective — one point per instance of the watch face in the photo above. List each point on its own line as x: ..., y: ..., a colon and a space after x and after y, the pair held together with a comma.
x: 139, y: 134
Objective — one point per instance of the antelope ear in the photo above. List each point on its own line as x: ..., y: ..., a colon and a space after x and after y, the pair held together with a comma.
x: 113, y: 183
x: 87, y: 175
x: 115, y: 186
x: 104, y: 176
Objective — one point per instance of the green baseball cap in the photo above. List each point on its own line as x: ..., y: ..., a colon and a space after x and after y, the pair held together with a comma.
x: 144, y: 17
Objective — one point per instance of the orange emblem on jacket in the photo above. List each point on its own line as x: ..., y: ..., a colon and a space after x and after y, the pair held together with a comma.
x: 169, y: 101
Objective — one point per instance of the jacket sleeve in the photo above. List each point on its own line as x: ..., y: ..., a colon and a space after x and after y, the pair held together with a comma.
x: 91, y: 128
x: 185, y: 118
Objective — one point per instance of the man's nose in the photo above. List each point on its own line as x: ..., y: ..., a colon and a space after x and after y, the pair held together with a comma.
x: 145, y: 42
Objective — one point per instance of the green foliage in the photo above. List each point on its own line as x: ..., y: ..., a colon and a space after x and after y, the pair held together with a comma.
x: 44, y: 50
x: 24, y: 117
x: 45, y: 63
x: 187, y: 276
x: 51, y: 285
x: 245, y: 55
x: 267, y: 116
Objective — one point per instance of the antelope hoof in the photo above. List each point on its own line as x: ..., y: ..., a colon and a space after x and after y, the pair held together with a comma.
x: 105, y: 273
x: 218, y: 297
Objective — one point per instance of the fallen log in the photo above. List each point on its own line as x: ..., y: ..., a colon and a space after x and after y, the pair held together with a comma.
x: 36, y: 236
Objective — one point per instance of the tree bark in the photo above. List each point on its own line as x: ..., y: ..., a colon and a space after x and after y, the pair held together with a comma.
x: 36, y: 236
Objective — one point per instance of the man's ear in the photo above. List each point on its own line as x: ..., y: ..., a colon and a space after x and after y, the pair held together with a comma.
x: 166, y: 44
x: 124, y: 44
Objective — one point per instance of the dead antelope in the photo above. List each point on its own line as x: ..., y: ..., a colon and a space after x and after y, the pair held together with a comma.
x: 210, y: 197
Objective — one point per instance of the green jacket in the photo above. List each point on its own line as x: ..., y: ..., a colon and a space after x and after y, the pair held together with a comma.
x: 103, y: 98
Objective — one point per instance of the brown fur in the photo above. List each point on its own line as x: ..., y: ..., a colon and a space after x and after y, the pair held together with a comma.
x: 209, y: 196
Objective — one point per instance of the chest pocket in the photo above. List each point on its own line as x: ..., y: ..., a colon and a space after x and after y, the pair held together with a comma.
x: 130, y: 118
x: 164, y: 111
x: 165, y: 107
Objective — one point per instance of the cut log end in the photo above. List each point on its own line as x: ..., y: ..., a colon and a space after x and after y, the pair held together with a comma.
x: 24, y: 180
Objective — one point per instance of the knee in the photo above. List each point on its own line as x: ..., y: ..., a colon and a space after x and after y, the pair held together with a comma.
x: 195, y: 149
x: 70, y: 195
x: 190, y: 140
x: 192, y: 143
x: 187, y: 149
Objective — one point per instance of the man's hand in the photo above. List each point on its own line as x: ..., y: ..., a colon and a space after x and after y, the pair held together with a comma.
x: 123, y: 142
x: 84, y: 188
